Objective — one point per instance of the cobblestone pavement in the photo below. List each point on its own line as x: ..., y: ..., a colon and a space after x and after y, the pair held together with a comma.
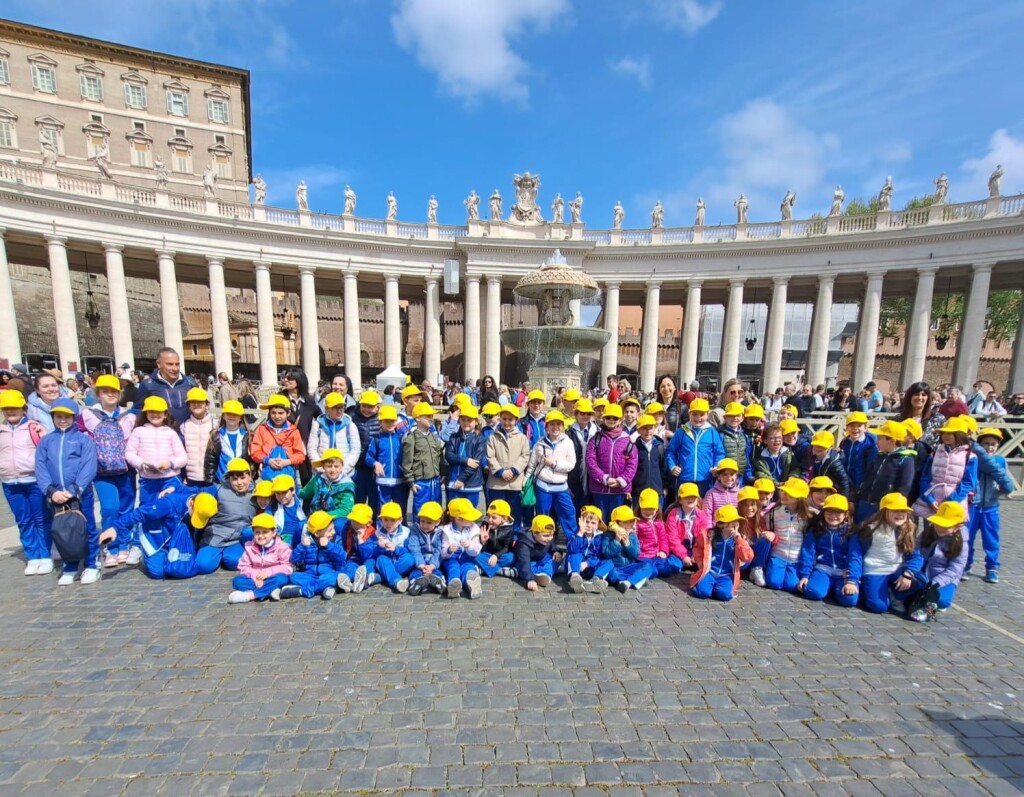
x: 136, y: 687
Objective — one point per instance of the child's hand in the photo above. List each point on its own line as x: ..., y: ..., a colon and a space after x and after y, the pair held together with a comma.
x: 415, y: 489
x: 60, y: 497
x: 453, y: 547
x: 801, y: 584
x: 306, y: 539
x: 688, y: 561
x: 676, y: 470
x: 165, y: 465
x: 769, y: 535
x: 427, y: 569
x: 492, y: 561
x: 662, y: 555
x: 903, y: 584
x: 532, y: 586
x: 458, y: 484
x: 850, y: 589
x: 378, y: 469
x: 557, y: 557
x: 472, y: 463
x: 549, y: 461
x: 108, y: 536
x: 258, y: 581
x: 507, y: 475
x: 389, y: 546
x: 164, y: 492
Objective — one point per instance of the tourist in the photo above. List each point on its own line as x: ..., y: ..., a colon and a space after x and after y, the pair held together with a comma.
x: 1016, y: 408
x: 488, y: 390
x: 220, y: 544
x: 612, y: 462
x: 276, y: 445
x: 787, y: 522
x: 891, y: 470
x: 155, y: 450
x: 675, y: 411
x: 773, y: 401
x: 823, y: 556
x: 990, y: 409
x: 720, y: 557
x: 650, y: 530
x: 304, y: 410
x: 168, y: 383
x: 975, y: 400
x: 504, y: 397
x: 425, y: 543
x: 613, y: 389
x: 508, y: 453
x: 460, y: 547
x: 916, y: 403
x: 265, y: 567
x: 842, y: 401
x: 993, y: 482
x: 876, y: 400
x: 341, y: 385
x: 889, y: 573
x: 250, y: 401
x: 48, y: 388
x: 225, y: 390
x: 196, y: 432
x: 732, y: 391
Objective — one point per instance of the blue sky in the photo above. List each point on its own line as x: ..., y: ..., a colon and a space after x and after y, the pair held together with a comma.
x: 634, y: 100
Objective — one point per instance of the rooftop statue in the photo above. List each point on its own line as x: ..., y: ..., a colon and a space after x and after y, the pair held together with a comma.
x: 526, y: 210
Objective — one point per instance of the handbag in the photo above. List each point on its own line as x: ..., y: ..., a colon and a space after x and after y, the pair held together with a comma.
x: 70, y: 532
x: 529, y: 491
x: 927, y: 599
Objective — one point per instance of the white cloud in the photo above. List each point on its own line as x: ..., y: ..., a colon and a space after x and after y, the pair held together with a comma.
x: 1003, y: 150
x: 469, y: 42
x: 688, y: 16
x: 638, y: 68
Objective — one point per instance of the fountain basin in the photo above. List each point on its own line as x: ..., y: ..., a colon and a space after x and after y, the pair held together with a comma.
x: 555, y: 347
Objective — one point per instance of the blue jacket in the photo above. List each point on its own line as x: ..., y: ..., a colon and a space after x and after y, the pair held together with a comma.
x: 528, y: 552
x: 311, y: 558
x: 696, y: 451
x: 650, y: 467
x: 856, y: 550
x: 461, y: 447
x: 386, y: 449
x: 174, y: 394
x: 857, y: 456
x: 533, y: 428
x: 831, y: 465
x: 66, y: 461
x: 802, y: 457
x: 165, y: 513
x: 372, y: 548
x: 888, y: 473
x: 368, y: 428
x: 587, y: 547
x: 617, y: 553
x: 425, y: 548
x: 826, y: 550
x: 993, y: 478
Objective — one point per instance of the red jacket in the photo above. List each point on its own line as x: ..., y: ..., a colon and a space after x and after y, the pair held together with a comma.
x: 266, y: 438
x: 702, y: 557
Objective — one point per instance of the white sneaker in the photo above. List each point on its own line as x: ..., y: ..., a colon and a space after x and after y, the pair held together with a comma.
x: 757, y: 576
x: 32, y: 567
x: 66, y: 579
x: 474, y: 585
x: 134, y: 556
x: 45, y: 567
x: 542, y: 579
x: 90, y: 575
x: 241, y: 596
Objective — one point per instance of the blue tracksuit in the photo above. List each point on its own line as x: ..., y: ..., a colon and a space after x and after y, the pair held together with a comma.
x: 390, y: 565
x: 696, y: 452
x: 461, y: 447
x: 874, y: 589
x: 425, y: 549
x: 290, y: 520
x: 650, y: 468
x: 892, y: 472
x: 160, y: 518
x: 66, y: 462
x: 823, y: 562
x: 625, y: 559
x: 585, y: 552
x: 316, y: 567
x: 499, y: 543
x: 856, y: 456
x: 831, y: 465
x: 533, y: 428
x: 368, y: 428
x: 386, y: 450
x: 993, y: 479
x: 718, y: 582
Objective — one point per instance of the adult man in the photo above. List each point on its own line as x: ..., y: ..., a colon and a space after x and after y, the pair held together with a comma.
x: 613, y: 389
x: 806, y: 403
x: 168, y: 382
x: 990, y: 409
x: 976, y: 399
x: 876, y: 401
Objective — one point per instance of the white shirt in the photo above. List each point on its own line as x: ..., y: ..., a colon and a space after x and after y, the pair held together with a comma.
x: 883, y: 557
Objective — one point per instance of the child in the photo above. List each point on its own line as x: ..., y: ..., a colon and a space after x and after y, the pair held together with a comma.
x: 580, y: 434
x: 883, y: 555
x: 799, y: 445
x: 823, y: 555
x: 753, y: 423
x: 657, y: 411
x: 466, y: 455
x: 653, y: 536
x: 385, y: 556
x: 587, y: 570
x: 753, y: 526
x: 489, y: 419
x: 319, y: 561
x: 196, y: 432
x: 820, y: 488
x: 221, y: 543
x: 276, y: 444
x: 992, y: 482
x: 328, y: 489
x: 287, y: 510
x: 357, y: 530
x: 265, y: 567
x: 650, y: 459
x: 858, y: 449
x: 532, y: 424
x: 889, y: 470
x: 921, y: 451
x: 497, y: 536
x: 65, y: 470
x: 263, y: 495
x: 630, y: 414
x: 364, y: 416
x: 230, y: 440
x: 534, y: 563
x: 766, y: 490
x: 335, y: 430
x: 952, y: 472
x: 612, y: 462
x: 621, y: 546
x: 685, y: 522
x: 422, y: 451
x: 725, y: 489
x: 154, y: 449
x: 552, y: 459
x: 508, y: 454
x: 109, y: 426
x: 460, y: 547
x: 719, y: 558
x: 19, y: 438
x: 944, y: 558
x: 384, y: 455
x: 425, y: 543
x: 786, y: 524
x: 826, y: 461
x: 774, y: 461
x: 737, y: 444
x: 695, y: 448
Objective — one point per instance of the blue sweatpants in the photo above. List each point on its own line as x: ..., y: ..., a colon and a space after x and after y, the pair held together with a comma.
x: 246, y: 584
x: 150, y: 489
x: 820, y: 585
x: 366, y: 488
x: 483, y: 561
x: 719, y: 587
x: 762, y: 551
x: 663, y: 568
x: 986, y: 520
x: 28, y: 505
x: 429, y: 490
x: 116, y: 495
x: 874, y: 591
x: 459, y: 566
x: 312, y: 584
x: 558, y: 505
x: 391, y: 568
x: 779, y: 574
x: 596, y: 567
x: 473, y: 496
x: 634, y: 573
x: 606, y: 502
x: 210, y: 558
x: 398, y: 493
x: 545, y: 566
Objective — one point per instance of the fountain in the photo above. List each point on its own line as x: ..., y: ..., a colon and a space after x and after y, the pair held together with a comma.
x: 555, y: 344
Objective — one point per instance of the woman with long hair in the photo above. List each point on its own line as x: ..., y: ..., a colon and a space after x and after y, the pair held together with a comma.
x: 675, y: 410
x: 303, y: 409
x: 488, y: 390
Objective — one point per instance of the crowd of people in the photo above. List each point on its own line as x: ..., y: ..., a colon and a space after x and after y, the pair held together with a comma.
x: 336, y: 491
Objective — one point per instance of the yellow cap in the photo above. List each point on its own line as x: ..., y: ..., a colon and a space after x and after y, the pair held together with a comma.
x: 334, y: 400
x: 319, y: 521
x: 856, y: 417
x: 542, y: 524
x: 970, y: 423
x: 953, y: 425
x: 232, y: 407
x: 387, y: 413
x: 196, y: 394
x: 950, y: 514
x: 238, y: 465
x: 264, y: 521
x: 623, y: 514
x: 422, y: 409
x: 630, y: 400
x: 361, y: 514
x: 988, y: 431
x: 499, y: 507
x: 821, y: 483
x: 509, y: 409
x: 390, y: 511
x: 700, y: 405
x: 590, y: 509
x: 277, y: 400
x: 894, y: 502
x: 764, y: 485
x: 796, y: 488
x: 733, y: 408
x: 754, y: 411
x: 726, y: 514
x: 837, y: 502
x: 572, y: 394
x: 461, y: 400
x: 649, y: 499
x: 12, y: 399
x: 748, y: 494
x: 789, y: 426
x: 264, y: 489
x: 824, y: 439
x: 688, y: 490
x: 645, y: 420
x: 370, y: 398
x: 154, y: 404
x: 490, y: 408
x: 412, y: 390
x: 330, y: 453
x: 727, y: 464
x: 584, y: 405
x: 535, y: 395
x: 107, y: 381
x: 204, y: 507
x: 894, y: 429
x: 791, y: 409
x: 601, y: 402
x: 613, y: 411
x: 463, y: 509
x: 282, y: 483
x: 555, y: 416
x: 431, y: 510
x: 469, y: 411
x: 654, y: 407
x: 913, y: 428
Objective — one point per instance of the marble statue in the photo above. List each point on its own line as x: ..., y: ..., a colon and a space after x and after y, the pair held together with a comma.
x: 741, y: 206
x: 496, y: 206
x: 618, y: 214
x: 838, y: 197
x: 102, y: 158
x: 941, y: 188
x: 787, y: 205
x: 657, y: 215
x: 302, y: 196
x: 885, y: 195
x: 557, y: 210
x: 350, y: 201
x: 49, y: 154
x: 432, y: 210
x: 526, y: 210
x: 993, y: 181
x: 161, y: 172
x: 210, y: 181
x: 699, y: 220
x: 392, y: 207
x: 576, y: 209
x: 472, y: 204
x: 260, y: 186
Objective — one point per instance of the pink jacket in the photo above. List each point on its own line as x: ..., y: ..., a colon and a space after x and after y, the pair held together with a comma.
x: 717, y: 497
x: 18, y: 451
x: 653, y: 537
x: 197, y: 438
x: 682, y: 534
x: 153, y: 445
x: 274, y: 560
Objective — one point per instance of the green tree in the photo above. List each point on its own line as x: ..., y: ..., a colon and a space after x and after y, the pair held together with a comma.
x: 1004, y: 308
x: 918, y: 202
x: 857, y: 206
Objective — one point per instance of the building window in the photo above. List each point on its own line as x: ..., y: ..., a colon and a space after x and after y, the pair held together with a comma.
x: 96, y: 117
x: 135, y: 96
x: 219, y: 140
x: 5, y: 72
x: 183, y: 161
x: 217, y: 110
x: 195, y: 349
x: 177, y: 103
x: 140, y: 126
x: 7, y: 133
x: 179, y: 132
x: 92, y: 88
x: 44, y: 79
x: 140, y: 154
x: 222, y: 166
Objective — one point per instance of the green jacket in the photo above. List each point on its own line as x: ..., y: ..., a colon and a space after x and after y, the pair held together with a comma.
x: 421, y: 456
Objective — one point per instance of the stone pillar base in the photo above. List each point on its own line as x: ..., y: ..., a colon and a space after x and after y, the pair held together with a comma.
x: 547, y: 378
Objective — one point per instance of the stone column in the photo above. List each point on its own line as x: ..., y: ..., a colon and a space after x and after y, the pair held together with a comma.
x: 821, y: 333
x: 219, y: 317
x: 392, y: 324
x: 771, y: 359
x: 972, y: 328
x: 432, y: 330
x: 610, y: 352
x: 867, y: 332
x: 265, y: 324
x: 649, y: 336
x: 919, y: 324
x: 492, y: 346
x: 310, y: 329
x: 689, y: 338
x: 353, y: 346
x: 169, y: 306
x: 729, y: 358
x: 63, y: 303
x: 471, y: 328
x: 117, y: 290
x: 10, y: 346
x: 1017, y: 363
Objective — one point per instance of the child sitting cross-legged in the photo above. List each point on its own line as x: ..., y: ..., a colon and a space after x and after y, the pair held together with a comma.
x: 621, y: 545
x: 719, y: 557
x: 823, y: 558
x: 265, y: 566
x: 497, y: 534
x: 461, y: 547
x: 588, y: 572
x: 425, y: 543
x: 319, y: 560
x: 655, y: 549
x: 534, y: 563
x: 385, y: 556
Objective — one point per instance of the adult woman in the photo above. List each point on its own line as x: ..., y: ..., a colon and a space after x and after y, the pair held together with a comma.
x: 504, y: 396
x: 917, y: 403
x: 732, y: 390
x: 488, y: 390
x: 668, y: 397
x: 48, y: 390
x: 341, y: 385
x: 843, y: 400
x: 303, y: 410
x: 625, y: 390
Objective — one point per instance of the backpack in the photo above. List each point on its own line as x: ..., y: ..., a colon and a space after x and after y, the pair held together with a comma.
x: 69, y: 532
x: 110, y: 445
x: 181, y: 554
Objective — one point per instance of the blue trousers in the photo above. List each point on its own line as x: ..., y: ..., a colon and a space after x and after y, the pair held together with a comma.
x: 313, y: 584
x: 399, y: 493
x: 150, y: 489
x: 116, y: 495
x: 863, y: 511
x: 946, y: 593
x: 606, y: 502
x: 721, y: 588
x: 874, y: 591
x: 473, y: 496
x: 246, y: 584
x: 513, y: 497
x: 762, y: 551
x: 417, y: 573
x: 429, y: 490
x: 210, y: 558
x: 29, y: 509
x: 595, y: 566
x: 391, y: 568
x: 483, y: 561
x: 545, y: 566
x: 779, y: 574
x: 459, y: 566
x: 633, y: 573
x: 986, y: 520
x: 820, y: 585
x: 665, y: 567
x: 559, y: 506
x: 366, y: 488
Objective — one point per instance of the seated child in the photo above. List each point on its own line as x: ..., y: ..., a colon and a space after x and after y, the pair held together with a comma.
x: 587, y: 570
x: 684, y: 522
x: 358, y: 529
x: 766, y: 490
x: 319, y: 561
x: 329, y: 490
x: 942, y: 548
x: 534, y: 563
x: 384, y: 555
x: 621, y: 545
x: 753, y: 526
x: 719, y: 558
x: 497, y: 536
x: 264, y: 567
x: 653, y: 536
x: 286, y: 509
x: 883, y: 559
x: 823, y: 554
x: 460, y: 548
x: 425, y: 543
x: 786, y: 525
x: 220, y: 544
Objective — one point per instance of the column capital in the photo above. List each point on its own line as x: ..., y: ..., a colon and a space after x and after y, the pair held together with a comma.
x: 737, y: 282
x: 875, y: 276
x: 432, y: 278
x: 491, y: 280
x: 262, y: 265
x: 780, y: 281
x: 390, y: 278
x: 984, y: 266
x: 215, y: 259
x: 924, y: 271
x: 473, y: 278
x: 694, y: 283
x: 161, y: 253
x: 612, y: 283
x: 653, y: 284
x: 827, y: 279
x: 351, y: 273
x: 56, y: 239
x: 108, y: 247
x: 307, y: 269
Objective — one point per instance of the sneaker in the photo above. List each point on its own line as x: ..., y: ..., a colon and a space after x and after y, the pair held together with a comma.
x: 241, y: 596
x: 920, y: 616
x: 328, y: 593
x: 372, y: 579
x: 360, y: 580
x: 454, y: 588
x: 435, y: 582
x: 967, y: 575
x: 596, y: 585
x: 90, y: 575
x: 475, y: 585
x: 276, y: 594
x: 45, y: 567
x: 122, y: 557
x: 110, y: 560
x: 622, y: 586
x: 65, y: 579
x: 402, y: 585
x: 289, y: 591
x: 576, y: 583
x: 508, y: 572
x: 542, y: 579
x: 992, y: 576
x: 344, y: 583
x: 32, y: 567
x: 640, y: 583
x: 134, y: 556
x: 417, y: 587
x: 757, y: 576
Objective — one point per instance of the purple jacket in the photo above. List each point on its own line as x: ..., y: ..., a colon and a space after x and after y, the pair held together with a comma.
x: 611, y: 456
x: 938, y: 568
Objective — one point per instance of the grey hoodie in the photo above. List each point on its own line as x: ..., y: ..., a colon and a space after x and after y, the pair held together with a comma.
x: 234, y: 512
